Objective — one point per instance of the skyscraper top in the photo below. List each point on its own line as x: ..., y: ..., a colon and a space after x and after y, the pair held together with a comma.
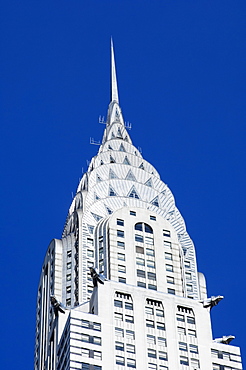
x: 114, y: 88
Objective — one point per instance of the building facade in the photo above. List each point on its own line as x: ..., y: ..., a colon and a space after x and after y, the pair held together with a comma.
x: 150, y: 310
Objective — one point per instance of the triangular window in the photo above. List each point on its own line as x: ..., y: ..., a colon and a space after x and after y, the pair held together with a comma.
x: 126, y: 138
x: 112, y: 159
x: 133, y: 193
x: 111, y: 192
x: 110, y: 147
x: 155, y: 202
x: 126, y: 161
x: 97, y: 217
x: 121, y: 148
x: 96, y: 196
x: 112, y: 136
x: 112, y: 175
x: 90, y: 228
x: 119, y: 134
x: 99, y: 178
x: 130, y: 176
x: 108, y: 210
x: 149, y: 183
x: 141, y: 166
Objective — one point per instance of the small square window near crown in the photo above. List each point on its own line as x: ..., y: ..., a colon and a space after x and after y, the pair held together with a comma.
x: 132, y: 213
x: 120, y: 222
x: 153, y: 218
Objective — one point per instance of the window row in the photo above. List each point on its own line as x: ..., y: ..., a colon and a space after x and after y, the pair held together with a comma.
x: 193, y: 362
x: 151, y: 339
x: 225, y: 355
x: 91, y: 339
x: 129, y: 362
x: 141, y: 284
x: 89, y: 353
x: 127, y: 305
x: 128, y: 318
x: 189, y: 319
x: 90, y: 367
x: 184, y: 347
x: 157, y: 354
x: 128, y: 334
x: 155, y: 367
x: 190, y: 332
x: 158, y: 325
x: 120, y: 346
x: 222, y: 367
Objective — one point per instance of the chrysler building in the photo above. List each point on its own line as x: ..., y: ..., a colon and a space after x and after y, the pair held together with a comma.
x: 120, y: 289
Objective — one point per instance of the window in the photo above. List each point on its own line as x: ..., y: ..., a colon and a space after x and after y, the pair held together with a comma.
x: 118, y: 316
x: 130, y: 348
x: 168, y: 256
x: 128, y: 306
x: 97, y: 340
x: 132, y: 213
x: 191, y: 320
x: 120, y: 245
x: 162, y: 341
x: 193, y: 348
x: 130, y: 362
x: 192, y: 333
x: 149, y: 310
x: 69, y: 264
x: 188, y: 275
x: 69, y: 277
x: 150, y: 252
x: 148, y: 229
x: 120, y: 360
x: 180, y: 317
x: 118, y: 303
x: 150, y: 339
x: 85, y: 338
x: 141, y: 284
x: 68, y: 289
x: 119, y: 346
x: 183, y: 346
x: 159, y: 313
x: 97, y: 356
x: 120, y: 233
x: 141, y: 273
x: 121, y: 268
x: 121, y: 257
x: 85, y: 366
x: 171, y: 291
x: 153, y: 218
x: 90, y: 253
x: 130, y: 334
x: 122, y: 280
x: 181, y: 330
x: 170, y: 280
x: 150, y: 264
x: 151, y: 353
x: 97, y: 326
x: 129, y: 318
x: 184, y: 360
x: 68, y: 302
x: 140, y: 261
x: 120, y: 222
x: 189, y: 288
x: 162, y: 355
x: 85, y: 352
x: 85, y: 324
x: 167, y: 244
x: 119, y: 332
x: 140, y: 250
x: 160, y: 325
x: 139, y: 238
x: 187, y: 264
x: 151, y: 275
x: 152, y: 367
x: 150, y: 324
x: 169, y: 268
x: 69, y: 254
x: 166, y: 233
x: 149, y: 240
x: 195, y: 363
x: 152, y: 287
x: 139, y: 226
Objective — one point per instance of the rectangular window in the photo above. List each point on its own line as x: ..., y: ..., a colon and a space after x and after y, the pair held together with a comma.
x: 150, y: 252
x: 85, y: 352
x: 122, y: 280
x: 180, y: 317
x: 129, y: 318
x: 160, y: 325
x: 149, y: 240
x: 85, y: 324
x: 187, y: 264
x: 119, y: 346
x: 69, y: 277
x: 193, y: 348
x: 118, y: 316
x: 183, y: 346
x: 150, y: 339
x: 90, y: 253
x: 162, y: 355
x: 141, y: 273
x: 170, y: 280
x: 171, y: 291
x: 128, y: 306
x: 97, y: 356
x: 150, y: 324
x: 97, y: 326
x: 68, y: 289
x: 192, y: 333
x: 130, y: 348
x: 152, y: 287
x: 149, y: 310
x: 119, y: 332
x: 152, y: 367
x: 151, y: 275
x: 121, y: 268
x: 97, y: 340
x: 120, y: 360
x: 181, y: 330
x: 118, y: 303
x: 189, y: 288
x: 150, y: 264
x: 188, y: 275
x: 159, y: 313
x: 169, y: 268
x: 140, y: 261
x: 139, y: 238
x: 132, y: 213
x: 85, y: 366
x: 166, y: 233
x: 120, y: 222
x: 191, y: 320
x: 68, y: 302
x: 120, y: 234
x: 151, y: 353
x: 130, y: 334
x: 69, y: 264
x: 120, y: 245
x: 167, y: 244
x: 162, y: 341
x: 153, y: 218
x: 168, y: 256
x: 69, y: 254
x: 121, y: 257
x: 130, y: 362
x: 141, y: 284
x: 184, y: 360
x: 140, y: 250
x: 194, y: 363
x: 85, y: 338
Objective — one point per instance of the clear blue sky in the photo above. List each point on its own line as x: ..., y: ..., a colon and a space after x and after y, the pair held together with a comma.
x: 181, y: 74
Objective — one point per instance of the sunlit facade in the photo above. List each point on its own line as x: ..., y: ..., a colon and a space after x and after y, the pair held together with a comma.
x: 152, y: 312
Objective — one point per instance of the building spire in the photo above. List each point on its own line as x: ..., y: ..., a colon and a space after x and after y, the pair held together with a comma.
x: 114, y: 88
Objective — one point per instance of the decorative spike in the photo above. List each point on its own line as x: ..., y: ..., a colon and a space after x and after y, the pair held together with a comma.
x: 114, y: 88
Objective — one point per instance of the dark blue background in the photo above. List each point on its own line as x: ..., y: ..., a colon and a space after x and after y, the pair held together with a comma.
x: 181, y: 74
